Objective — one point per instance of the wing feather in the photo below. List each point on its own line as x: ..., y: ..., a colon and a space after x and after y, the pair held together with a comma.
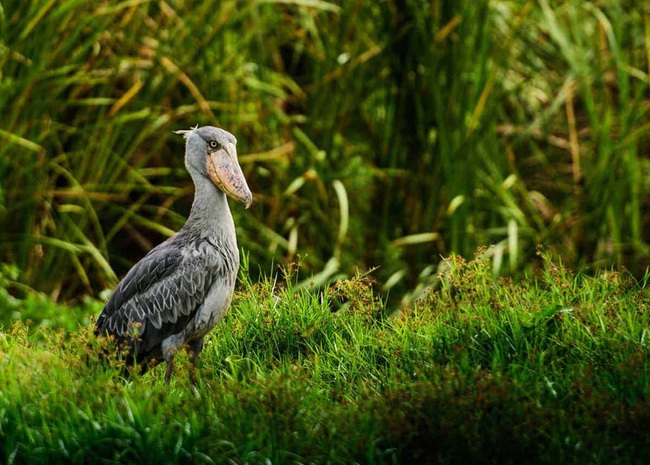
x: 165, y: 286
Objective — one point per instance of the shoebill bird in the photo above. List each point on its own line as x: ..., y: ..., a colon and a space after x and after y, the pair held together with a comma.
x: 175, y: 295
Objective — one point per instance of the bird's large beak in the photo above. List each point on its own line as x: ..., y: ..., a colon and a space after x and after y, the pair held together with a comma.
x: 226, y: 174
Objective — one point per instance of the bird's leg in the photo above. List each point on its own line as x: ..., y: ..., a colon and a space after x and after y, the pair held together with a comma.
x: 169, y: 349
x: 194, y: 348
x: 168, y: 371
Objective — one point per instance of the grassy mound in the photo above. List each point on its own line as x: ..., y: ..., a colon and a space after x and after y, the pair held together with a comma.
x: 481, y: 370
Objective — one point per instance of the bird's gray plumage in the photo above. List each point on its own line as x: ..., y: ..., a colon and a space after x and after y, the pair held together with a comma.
x: 178, y: 292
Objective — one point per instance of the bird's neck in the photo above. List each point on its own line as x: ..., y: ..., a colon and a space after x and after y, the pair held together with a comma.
x: 210, y: 216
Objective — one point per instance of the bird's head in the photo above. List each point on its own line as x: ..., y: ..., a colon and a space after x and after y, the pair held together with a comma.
x: 212, y: 152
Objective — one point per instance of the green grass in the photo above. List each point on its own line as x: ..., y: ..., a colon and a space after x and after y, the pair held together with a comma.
x: 372, y: 133
x: 549, y: 369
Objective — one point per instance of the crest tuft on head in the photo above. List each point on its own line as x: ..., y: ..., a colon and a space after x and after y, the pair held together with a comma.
x: 185, y: 132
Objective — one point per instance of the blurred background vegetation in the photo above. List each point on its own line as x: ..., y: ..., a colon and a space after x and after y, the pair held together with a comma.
x: 373, y: 133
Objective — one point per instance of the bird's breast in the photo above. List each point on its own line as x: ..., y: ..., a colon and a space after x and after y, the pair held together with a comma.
x: 222, y: 266
x: 214, y: 307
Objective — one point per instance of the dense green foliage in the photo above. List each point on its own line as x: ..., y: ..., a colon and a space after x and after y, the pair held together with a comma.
x: 552, y: 369
x: 373, y: 133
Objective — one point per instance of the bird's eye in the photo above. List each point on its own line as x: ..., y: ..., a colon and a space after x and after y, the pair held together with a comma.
x: 213, y: 144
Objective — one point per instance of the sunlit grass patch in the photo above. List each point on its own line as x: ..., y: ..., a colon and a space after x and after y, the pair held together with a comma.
x: 481, y: 368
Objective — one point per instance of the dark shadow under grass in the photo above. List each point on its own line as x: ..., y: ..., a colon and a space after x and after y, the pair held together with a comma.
x: 552, y: 369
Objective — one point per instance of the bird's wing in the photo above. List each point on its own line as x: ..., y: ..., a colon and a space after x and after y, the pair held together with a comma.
x: 165, y: 286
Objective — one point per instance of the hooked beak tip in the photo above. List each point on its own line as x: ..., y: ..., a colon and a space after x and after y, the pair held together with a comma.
x: 245, y: 197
